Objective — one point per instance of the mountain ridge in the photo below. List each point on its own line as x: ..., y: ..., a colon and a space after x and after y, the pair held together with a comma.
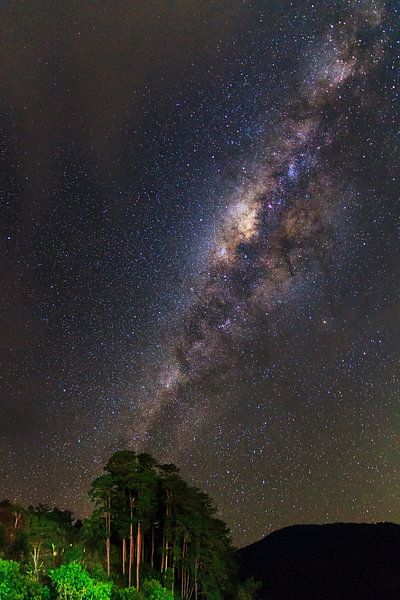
x: 333, y: 561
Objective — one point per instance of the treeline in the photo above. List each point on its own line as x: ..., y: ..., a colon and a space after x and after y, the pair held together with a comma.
x: 151, y: 536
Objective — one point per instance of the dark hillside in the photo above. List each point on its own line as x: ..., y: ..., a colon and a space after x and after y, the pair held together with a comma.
x: 326, y: 562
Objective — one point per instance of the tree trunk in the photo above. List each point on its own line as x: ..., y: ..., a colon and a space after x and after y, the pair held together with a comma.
x: 138, y: 554
x: 152, y: 547
x: 131, y: 548
x: 17, y: 517
x: 164, y: 560
x: 124, y: 556
x: 166, y: 556
x: 183, y: 569
x: 174, y: 560
x: 35, y: 554
x: 108, y: 548
x: 163, y: 553
x: 195, y: 580
x: 107, y: 518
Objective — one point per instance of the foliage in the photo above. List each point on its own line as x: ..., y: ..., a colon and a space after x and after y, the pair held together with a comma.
x: 36, y: 591
x: 73, y: 582
x: 129, y: 594
x: 14, y: 586
x: 153, y: 590
x: 11, y: 582
x: 74, y: 553
x: 249, y: 589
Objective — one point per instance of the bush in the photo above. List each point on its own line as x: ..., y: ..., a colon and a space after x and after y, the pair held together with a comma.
x: 11, y: 581
x: 129, y: 594
x: 14, y: 586
x: 35, y: 591
x: 73, y: 582
x: 153, y: 590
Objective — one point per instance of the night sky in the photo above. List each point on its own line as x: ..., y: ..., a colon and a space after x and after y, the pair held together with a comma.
x: 199, y: 233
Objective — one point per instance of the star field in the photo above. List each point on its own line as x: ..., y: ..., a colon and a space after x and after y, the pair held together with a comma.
x: 200, y: 236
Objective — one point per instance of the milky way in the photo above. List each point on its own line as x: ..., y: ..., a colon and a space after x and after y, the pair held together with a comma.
x: 278, y: 235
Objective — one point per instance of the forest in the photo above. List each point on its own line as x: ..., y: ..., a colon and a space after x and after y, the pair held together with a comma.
x: 150, y: 536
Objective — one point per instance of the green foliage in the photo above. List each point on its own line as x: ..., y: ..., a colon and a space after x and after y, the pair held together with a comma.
x: 36, y: 591
x: 249, y: 589
x: 73, y: 582
x: 14, y: 586
x: 74, y: 553
x: 128, y: 594
x: 11, y: 582
x: 153, y: 590
x: 98, y: 573
x: 149, y: 572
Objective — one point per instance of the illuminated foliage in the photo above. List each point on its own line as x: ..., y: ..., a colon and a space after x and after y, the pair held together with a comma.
x: 73, y: 582
x: 14, y: 586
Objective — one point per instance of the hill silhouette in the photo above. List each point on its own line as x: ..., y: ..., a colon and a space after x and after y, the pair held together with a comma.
x: 340, y: 561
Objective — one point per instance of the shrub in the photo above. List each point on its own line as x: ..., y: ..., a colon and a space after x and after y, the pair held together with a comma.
x: 153, y: 590
x: 14, y: 586
x: 129, y: 594
x: 11, y: 581
x: 73, y: 582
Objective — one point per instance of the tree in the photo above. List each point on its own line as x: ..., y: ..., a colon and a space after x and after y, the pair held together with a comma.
x: 46, y: 542
x: 101, y: 492
x: 171, y: 528
x: 132, y: 502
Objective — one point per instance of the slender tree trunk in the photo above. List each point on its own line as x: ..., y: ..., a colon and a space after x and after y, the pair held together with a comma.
x: 174, y: 560
x: 183, y: 568
x: 124, y: 556
x: 195, y: 580
x: 166, y: 556
x: 131, y: 548
x: 190, y: 592
x: 17, y: 516
x: 152, y: 547
x: 163, y: 552
x: 107, y: 517
x: 131, y: 542
x: 164, y: 564
x: 138, y: 554
x: 35, y: 554
x: 108, y: 549
x: 187, y: 586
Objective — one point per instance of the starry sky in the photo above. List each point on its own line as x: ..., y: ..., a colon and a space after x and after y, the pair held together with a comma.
x: 200, y: 251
